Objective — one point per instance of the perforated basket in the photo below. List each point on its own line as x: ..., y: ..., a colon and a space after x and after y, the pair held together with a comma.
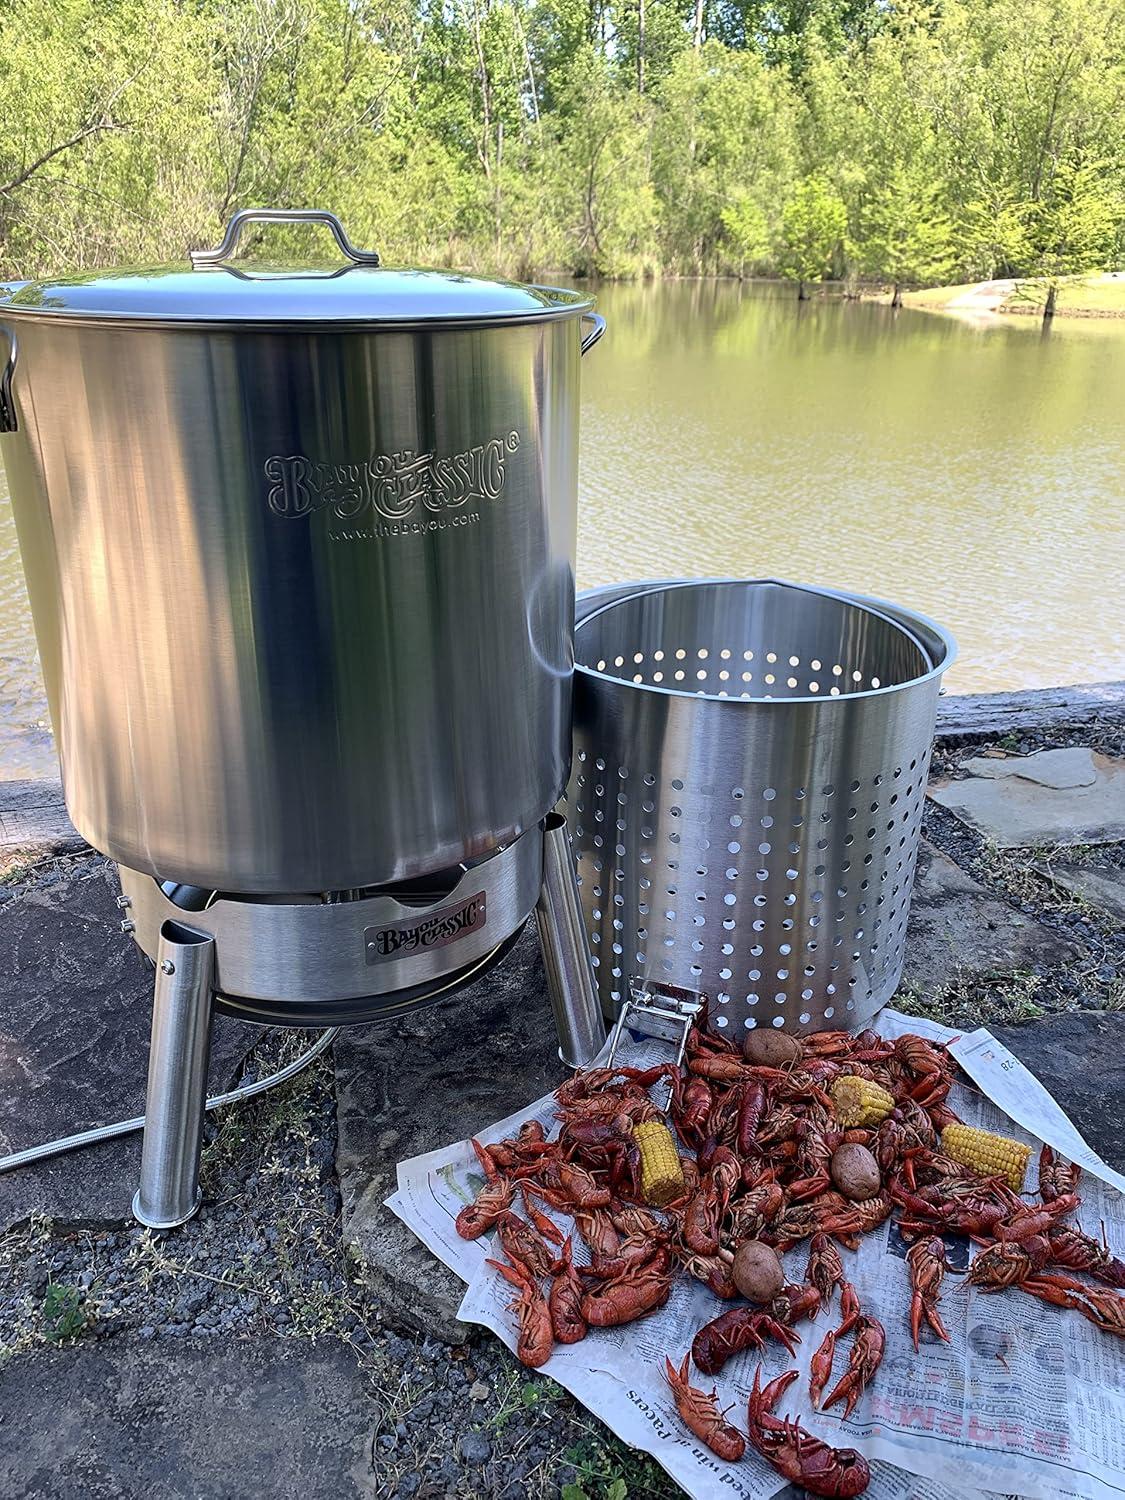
x: 750, y: 761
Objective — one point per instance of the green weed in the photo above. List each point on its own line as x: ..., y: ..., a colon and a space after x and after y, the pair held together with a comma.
x: 64, y: 1314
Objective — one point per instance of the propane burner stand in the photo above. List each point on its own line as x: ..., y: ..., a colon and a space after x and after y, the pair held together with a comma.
x: 321, y: 961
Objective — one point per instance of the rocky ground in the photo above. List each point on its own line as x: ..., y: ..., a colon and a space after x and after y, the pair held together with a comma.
x: 255, y: 1352
x: 262, y: 1275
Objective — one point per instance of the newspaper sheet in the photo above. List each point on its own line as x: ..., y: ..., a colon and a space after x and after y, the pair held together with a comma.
x: 1025, y: 1400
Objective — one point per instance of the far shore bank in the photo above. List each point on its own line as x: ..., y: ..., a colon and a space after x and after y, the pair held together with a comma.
x: 1095, y: 296
x: 1101, y: 295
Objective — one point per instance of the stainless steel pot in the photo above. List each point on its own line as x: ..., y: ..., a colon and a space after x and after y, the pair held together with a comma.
x: 299, y: 545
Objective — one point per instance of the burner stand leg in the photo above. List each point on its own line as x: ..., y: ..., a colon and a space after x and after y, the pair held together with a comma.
x: 177, y: 1078
x: 566, y: 957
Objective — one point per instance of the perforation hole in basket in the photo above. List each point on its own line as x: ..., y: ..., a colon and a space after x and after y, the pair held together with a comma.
x: 847, y: 881
x: 696, y: 669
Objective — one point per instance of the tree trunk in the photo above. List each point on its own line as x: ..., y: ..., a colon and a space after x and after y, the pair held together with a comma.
x: 497, y: 202
x: 640, y: 46
x: 896, y: 296
x: 485, y: 97
x: 1049, y: 305
x: 697, y: 28
x: 802, y: 292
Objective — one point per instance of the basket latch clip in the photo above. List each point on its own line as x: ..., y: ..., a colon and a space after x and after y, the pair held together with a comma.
x: 664, y: 1011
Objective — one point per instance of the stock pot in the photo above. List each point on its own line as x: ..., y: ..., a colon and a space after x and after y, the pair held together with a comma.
x: 299, y: 543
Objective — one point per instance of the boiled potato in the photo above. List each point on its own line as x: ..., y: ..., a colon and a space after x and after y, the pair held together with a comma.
x: 766, y: 1048
x: 855, y: 1172
x: 757, y: 1271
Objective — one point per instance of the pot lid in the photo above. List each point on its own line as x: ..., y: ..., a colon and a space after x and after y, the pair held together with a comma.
x: 362, y: 290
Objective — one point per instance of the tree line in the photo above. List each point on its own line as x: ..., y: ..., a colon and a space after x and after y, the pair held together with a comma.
x: 920, y: 142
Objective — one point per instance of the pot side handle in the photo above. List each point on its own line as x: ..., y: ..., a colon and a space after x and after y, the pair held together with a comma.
x: 8, y: 421
x: 595, y: 333
x: 232, y: 233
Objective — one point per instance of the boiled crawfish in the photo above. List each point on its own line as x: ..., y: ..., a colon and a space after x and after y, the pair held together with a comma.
x: 923, y: 1059
x: 641, y: 1290
x: 825, y: 1269
x: 566, y: 1185
x: 856, y: 1219
x: 703, y: 1214
x: 795, y: 1302
x: 492, y: 1202
x: 701, y: 1414
x: 564, y: 1300
x: 837, y: 1473
x: 751, y: 1107
x: 713, y: 1270
x: 592, y: 1081
x: 536, y: 1337
x: 635, y: 1251
x: 865, y: 1358
x: 732, y: 1332
x: 525, y: 1246
x: 1106, y: 1310
x: 1076, y: 1251
x: 926, y: 1210
x: 691, y: 1106
x: 820, y: 1367
x: 747, y: 1217
x: 999, y: 1266
x: 926, y: 1259
x: 631, y: 1220
x: 596, y: 1228
x: 520, y: 1155
x: 1056, y: 1175
x: 818, y: 1141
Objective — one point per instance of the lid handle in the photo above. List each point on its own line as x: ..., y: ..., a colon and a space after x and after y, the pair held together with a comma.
x: 231, y: 234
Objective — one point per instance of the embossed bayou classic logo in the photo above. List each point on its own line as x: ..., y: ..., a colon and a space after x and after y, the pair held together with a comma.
x: 399, y: 494
x: 437, y: 930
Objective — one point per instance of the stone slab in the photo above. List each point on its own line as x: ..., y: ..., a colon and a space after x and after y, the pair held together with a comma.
x: 418, y: 1083
x: 958, y: 927
x: 74, y: 1033
x: 1071, y: 766
x: 1016, y: 813
x: 1099, y: 882
x: 207, y: 1420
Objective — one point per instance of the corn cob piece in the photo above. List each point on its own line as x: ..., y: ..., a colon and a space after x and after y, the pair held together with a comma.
x: 990, y: 1155
x: 859, y: 1102
x: 662, y: 1177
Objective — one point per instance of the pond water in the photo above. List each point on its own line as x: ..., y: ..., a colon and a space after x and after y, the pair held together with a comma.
x: 974, y: 472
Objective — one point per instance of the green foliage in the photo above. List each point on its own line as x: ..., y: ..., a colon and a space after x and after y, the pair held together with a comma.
x: 605, y: 1471
x: 814, y: 221
x: 747, y: 230
x: 724, y: 139
x: 63, y: 1312
x: 904, y: 233
x: 909, y: 143
x: 616, y: 1489
x: 1075, y: 228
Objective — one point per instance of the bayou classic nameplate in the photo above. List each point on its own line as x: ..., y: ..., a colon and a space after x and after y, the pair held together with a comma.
x: 436, y: 930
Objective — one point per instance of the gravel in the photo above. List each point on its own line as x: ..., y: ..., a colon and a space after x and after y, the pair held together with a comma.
x: 475, y: 1448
